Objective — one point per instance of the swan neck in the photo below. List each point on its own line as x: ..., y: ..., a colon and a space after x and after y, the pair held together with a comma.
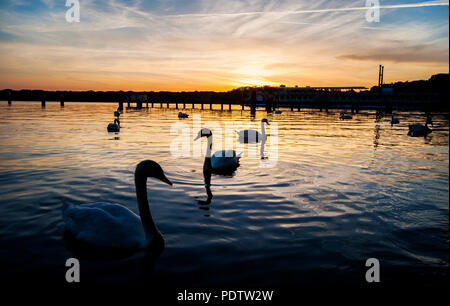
x: 144, y: 209
x: 209, y: 147
x: 263, y: 129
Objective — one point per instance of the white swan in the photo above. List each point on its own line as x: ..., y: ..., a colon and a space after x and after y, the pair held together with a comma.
x: 115, y: 226
x: 221, y: 161
x: 252, y: 136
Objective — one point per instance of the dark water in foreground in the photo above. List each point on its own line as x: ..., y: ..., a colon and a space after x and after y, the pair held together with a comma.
x: 339, y: 192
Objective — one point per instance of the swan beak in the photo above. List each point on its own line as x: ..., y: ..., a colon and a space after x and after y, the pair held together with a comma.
x: 198, y: 137
x: 166, y: 180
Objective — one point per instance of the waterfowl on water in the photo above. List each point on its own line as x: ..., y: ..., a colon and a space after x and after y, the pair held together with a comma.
x: 344, y: 116
x: 221, y: 161
x: 278, y: 112
x: 394, y: 120
x: 252, y: 136
x: 114, y: 226
x: 182, y: 115
x: 418, y: 130
x: 114, y: 127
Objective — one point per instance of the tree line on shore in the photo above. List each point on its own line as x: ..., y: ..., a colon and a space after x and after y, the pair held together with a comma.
x: 437, y: 84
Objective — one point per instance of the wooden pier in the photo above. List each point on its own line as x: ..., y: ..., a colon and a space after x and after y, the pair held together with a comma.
x: 292, y: 100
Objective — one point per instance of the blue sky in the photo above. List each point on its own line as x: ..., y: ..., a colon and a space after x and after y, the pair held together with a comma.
x: 218, y: 45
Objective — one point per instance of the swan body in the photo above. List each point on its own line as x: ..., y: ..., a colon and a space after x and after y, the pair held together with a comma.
x: 344, y: 116
x: 114, y: 127
x: 114, y: 226
x: 221, y: 161
x: 182, y: 115
x: 418, y: 130
x: 105, y: 225
x: 394, y: 121
x: 252, y: 136
x: 278, y: 112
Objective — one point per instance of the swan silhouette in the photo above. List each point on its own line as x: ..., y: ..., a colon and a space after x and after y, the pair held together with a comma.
x: 114, y: 127
x: 394, y: 120
x: 252, y: 136
x: 344, y: 116
x: 225, y: 161
x: 182, y: 115
x: 418, y: 130
x: 429, y: 120
x: 114, y: 226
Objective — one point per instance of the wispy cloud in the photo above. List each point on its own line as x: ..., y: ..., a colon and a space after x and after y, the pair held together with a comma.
x: 204, y: 44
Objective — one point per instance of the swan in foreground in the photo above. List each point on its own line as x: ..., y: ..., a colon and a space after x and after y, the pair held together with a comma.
x: 344, y: 116
x: 108, y: 225
x: 114, y: 127
x: 182, y: 115
x: 252, y: 136
x: 418, y: 130
x: 224, y: 161
x: 394, y: 120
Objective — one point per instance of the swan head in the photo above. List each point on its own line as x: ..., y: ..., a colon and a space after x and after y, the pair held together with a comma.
x: 150, y: 168
x: 265, y: 121
x: 203, y: 133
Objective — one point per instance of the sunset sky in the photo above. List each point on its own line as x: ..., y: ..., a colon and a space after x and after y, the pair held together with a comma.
x: 218, y: 44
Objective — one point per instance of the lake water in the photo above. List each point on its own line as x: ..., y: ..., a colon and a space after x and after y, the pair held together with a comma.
x: 330, y: 195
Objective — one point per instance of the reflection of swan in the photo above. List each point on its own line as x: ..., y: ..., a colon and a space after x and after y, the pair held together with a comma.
x: 114, y: 226
x: 114, y: 127
x: 221, y: 161
x: 252, y: 136
x: 344, y: 116
x: 182, y: 115
x: 394, y: 120
x: 207, y: 171
x: 418, y: 130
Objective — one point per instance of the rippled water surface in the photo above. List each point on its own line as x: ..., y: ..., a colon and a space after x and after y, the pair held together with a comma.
x: 330, y: 195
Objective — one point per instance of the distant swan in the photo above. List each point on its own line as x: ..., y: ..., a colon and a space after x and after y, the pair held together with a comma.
x: 251, y: 136
x: 182, y: 115
x: 115, y: 226
x: 394, y: 120
x: 114, y: 127
x: 344, y: 116
x: 418, y: 130
x: 221, y: 161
